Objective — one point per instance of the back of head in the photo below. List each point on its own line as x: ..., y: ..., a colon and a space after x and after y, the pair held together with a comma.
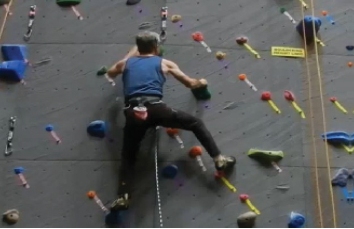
x: 148, y: 42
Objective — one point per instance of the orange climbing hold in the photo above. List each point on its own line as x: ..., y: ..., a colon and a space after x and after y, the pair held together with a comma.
x: 324, y: 13
x: 350, y: 64
x: 242, y: 77
x: 172, y: 132
x: 195, y: 151
x: 91, y: 194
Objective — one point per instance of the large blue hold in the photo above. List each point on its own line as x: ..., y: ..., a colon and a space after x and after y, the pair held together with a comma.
x: 296, y: 220
x: 97, y: 129
x: 308, y: 21
x: 13, y: 70
x: 14, y: 52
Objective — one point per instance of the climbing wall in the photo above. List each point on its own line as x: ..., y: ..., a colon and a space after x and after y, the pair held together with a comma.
x: 67, y: 94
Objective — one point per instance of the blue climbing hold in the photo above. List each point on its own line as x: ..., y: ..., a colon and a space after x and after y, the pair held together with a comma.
x: 19, y: 170
x: 14, y: 52
x: 97, y: 129
x: 170, y: 171
x: 309, y: 21
x: 296, y: 220
x: 13, y: 70
x: 49, y: 127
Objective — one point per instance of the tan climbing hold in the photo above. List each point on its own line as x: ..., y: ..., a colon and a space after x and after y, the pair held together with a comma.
x: 246, y: 220
x: 176, y: 18
x: 220, y: 55
x: 11, y: 216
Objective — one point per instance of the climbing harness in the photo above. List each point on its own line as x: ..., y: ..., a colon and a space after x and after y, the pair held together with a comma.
x: 8, y: 148
x: 157, y: 178
x: 31, y: 16
x: 164, y: 14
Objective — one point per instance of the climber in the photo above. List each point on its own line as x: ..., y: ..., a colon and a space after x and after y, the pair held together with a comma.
x: 144, y: 74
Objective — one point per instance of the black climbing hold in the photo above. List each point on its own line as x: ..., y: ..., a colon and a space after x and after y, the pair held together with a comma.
x: 350, y: 47
x: 114, y: 218
x: 4, y: 2
x: 68, y: 2
x: 103, y: 70
x: 11, y: 216
x: 132, y: 2
x: 246, y: 220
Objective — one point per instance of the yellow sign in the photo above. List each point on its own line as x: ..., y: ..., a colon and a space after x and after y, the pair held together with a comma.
x: 288, y: 52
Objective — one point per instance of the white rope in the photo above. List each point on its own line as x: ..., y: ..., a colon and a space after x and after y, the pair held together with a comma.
x: 157, y: 179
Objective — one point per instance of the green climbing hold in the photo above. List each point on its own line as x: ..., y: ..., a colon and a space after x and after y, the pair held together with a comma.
x: 265, y: 155
x: 282, y: 10
x: 68, y: 2
x: 161, y: 51
x: 201, y: 93
x: 103, y: 70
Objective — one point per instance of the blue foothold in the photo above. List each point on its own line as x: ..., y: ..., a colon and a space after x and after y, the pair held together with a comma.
x: 19, y: 170
x: 170, y: 171
x: 49, y: 128
x: 296, y: 220
x: 97, y: 129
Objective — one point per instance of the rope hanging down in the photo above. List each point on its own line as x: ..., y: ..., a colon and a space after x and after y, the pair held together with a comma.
x: 157, y: 177
x: 312, y: 122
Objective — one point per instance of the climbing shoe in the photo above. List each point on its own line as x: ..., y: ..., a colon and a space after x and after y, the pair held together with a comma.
x: 122, y: 203
x: 223, y: 163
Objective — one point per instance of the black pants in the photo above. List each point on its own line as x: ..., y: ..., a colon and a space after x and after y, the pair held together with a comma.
x: 159, y: 114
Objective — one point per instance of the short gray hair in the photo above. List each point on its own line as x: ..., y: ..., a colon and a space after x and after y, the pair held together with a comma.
x: 147, y: 41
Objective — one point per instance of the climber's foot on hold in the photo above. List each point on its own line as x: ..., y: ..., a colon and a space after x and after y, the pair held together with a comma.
x: 120, y: 204
x: 224, y: 163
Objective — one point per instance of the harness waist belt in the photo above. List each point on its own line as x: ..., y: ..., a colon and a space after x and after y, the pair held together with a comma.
x: 143, y: 99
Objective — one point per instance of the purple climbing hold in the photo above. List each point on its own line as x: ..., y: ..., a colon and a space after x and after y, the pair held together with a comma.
x: 132, y: 2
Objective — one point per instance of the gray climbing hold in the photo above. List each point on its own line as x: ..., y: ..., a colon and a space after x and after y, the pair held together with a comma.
x: 282, y: 187
x: 341, y: 178
x: 246, y: 220
x: 230, y: 106
x: 11, y: 216
x: 146, y: 25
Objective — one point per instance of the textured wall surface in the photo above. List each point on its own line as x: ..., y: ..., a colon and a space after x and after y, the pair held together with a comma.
x: 68, y: 94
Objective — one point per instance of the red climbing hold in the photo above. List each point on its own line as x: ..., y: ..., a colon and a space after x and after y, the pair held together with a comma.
x: 266, y: 96
x: 243, y: 197
x: 198, y: 36
x: 333, y: 99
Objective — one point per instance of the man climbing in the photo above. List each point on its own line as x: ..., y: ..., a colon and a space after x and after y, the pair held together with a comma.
x: 144, y: 74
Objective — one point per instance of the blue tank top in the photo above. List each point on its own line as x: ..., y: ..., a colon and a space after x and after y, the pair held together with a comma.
x: 143, y: 76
